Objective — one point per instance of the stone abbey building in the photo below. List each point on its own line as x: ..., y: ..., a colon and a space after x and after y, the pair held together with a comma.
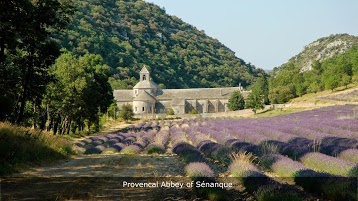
x: 147, y: 98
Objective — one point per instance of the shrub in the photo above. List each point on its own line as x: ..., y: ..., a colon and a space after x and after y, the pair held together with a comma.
x: 329, y: 164
x: 118, y: 146
x: 198, y: 169
x: 170, y: 111
x: 193, y: 111
x: 110, y: 150
x: 349, y: 155
x: 188, y: 153
x: 95, y: 150
x: 131, y: 149
x: 236, y: 101
x: 126, y: 112
x: 155, y: 148
x: 276, y: 193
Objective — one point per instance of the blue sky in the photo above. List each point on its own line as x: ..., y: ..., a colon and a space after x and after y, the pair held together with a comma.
x: 266, y: 33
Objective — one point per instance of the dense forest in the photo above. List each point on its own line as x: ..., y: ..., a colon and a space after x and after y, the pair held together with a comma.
x: 40, y: 84
x: 130, y: 34
x: 59, y: 68
x: 325, y: 64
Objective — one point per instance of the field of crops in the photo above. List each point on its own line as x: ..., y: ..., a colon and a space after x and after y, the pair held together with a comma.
x: 292, y: 156
x: 351, y: 96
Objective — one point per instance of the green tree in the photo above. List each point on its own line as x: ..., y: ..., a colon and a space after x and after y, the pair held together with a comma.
x: 331, y: 82
x: 317, y: 67
x: 281, y: 87
x: 330, y: 77
x: 25, y: 27
x: 79, y: 94
x: 128, y: 34
x: 126, y: 112
x: 113, y: 110
x: 261, y: 86
x: 254, y: 102
x: 256, y: 99
x: 314, y: 87
x: 346, y: 79
x: 281, y: 94
x: 236, y: 101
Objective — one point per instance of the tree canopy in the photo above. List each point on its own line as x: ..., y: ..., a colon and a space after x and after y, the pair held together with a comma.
x: 79, y: 93
x: 259, y: 93
x: 27, y: 51
x: 130, y: 34
x: 126, y: 112
x: 236, y: 101
x: 290, y: 81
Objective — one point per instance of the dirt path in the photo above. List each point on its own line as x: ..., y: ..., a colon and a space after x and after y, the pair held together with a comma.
x: 97, y: 177
x: 102, y: 177
x: 114, y: 165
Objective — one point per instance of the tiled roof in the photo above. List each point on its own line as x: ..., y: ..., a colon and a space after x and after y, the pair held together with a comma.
x: 144, y: 96
x: 144, y: 70
x: 145, y: 84
x: 123, y: 95
x: 183, y: 94
x: 199, y: 93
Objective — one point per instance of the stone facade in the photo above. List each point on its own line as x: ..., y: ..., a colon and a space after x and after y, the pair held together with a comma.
x: 147, y: 98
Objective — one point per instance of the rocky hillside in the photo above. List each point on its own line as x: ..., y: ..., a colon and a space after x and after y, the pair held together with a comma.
x: 323, y: 49
x: 131, y: 33
x: 325, y: 64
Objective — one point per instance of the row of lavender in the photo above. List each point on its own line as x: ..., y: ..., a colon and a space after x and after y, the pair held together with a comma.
x: 265, y: 136
x: 287, y: 145
x: 213, y: 137
x: 143, y: 137
x: 199, y: 149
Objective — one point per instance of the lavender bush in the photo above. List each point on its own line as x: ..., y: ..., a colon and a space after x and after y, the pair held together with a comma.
x: 131, y: 149
x: 329, y: 164
x: 198, y: 169
x: 349, y: 155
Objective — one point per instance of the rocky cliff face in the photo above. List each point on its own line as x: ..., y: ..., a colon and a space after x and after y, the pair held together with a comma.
x: 322, y: 49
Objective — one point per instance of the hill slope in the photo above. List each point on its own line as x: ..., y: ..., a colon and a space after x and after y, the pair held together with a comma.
x: 327, y: 63
x: 130, y: 34
x: 321, y: 50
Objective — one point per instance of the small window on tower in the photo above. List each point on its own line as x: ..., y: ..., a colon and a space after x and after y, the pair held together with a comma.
x: 136, y: 109
x: 143, y: 109
x: 144, y: 78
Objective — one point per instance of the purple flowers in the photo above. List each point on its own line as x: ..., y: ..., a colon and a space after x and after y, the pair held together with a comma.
x: 332, y: 165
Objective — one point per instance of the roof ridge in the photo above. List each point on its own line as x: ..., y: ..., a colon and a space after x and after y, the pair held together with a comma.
x: 144, y: 70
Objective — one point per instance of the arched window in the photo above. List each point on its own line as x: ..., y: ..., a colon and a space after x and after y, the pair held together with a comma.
x: 143, y: 109
x: 144, y: 78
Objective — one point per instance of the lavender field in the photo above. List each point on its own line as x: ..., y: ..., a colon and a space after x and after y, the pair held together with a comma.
x: 314, y: 152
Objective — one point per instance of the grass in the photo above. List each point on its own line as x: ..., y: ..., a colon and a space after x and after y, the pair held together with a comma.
x: 21, y: 147
x: 278, y: 112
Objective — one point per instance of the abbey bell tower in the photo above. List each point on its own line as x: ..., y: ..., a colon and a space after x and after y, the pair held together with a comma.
x: 144, y: 74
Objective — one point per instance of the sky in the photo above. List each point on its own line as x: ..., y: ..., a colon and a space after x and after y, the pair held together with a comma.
x: 266, y: 33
